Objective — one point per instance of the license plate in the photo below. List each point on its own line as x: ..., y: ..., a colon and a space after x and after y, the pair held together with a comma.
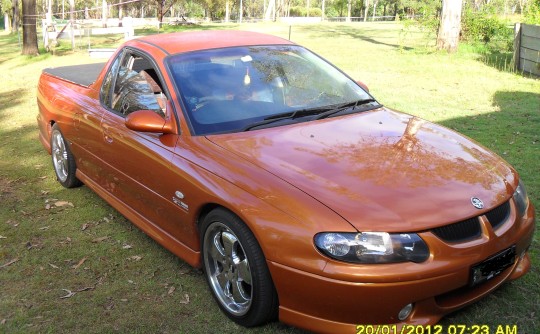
x: 493, y: 266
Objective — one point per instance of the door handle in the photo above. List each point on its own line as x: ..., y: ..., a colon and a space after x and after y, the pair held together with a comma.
x: 107, y: 137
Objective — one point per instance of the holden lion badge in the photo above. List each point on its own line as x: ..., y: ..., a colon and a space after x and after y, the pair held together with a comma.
x: 477, y: 202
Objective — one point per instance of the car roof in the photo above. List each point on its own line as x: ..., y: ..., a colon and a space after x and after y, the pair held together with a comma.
x: 210, y: 39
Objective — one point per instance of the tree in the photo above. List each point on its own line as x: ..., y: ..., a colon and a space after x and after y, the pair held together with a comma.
x: 366, y: 8
x: 270, y: 13
x: 339, y: 6
x: 162, y: 9
x: 6, y: 10
x: 448, y: 36
x: 15, y: 17
x: 532, y: 15
x: 104, y: 13
x: 30, y: 46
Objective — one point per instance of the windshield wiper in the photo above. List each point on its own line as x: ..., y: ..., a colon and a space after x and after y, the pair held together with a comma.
x: 289, y: 115
x: 322, y: 112
x: 345, y: 107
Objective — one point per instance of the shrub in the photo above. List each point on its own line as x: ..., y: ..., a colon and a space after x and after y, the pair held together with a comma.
x: 532, y: 14
x: 315, y: 12
x: 301, y: 11
x: 479, y: 26
x: 297, y: 11
x: 331, y: 12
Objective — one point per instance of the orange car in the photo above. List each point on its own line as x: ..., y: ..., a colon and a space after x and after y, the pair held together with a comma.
x: 299, y: 194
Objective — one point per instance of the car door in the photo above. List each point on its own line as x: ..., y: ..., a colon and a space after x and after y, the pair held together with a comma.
x: 84, y: 125
x: 138, y: 164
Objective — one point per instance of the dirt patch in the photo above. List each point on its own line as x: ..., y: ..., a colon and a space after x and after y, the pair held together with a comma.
x: 7, y: 188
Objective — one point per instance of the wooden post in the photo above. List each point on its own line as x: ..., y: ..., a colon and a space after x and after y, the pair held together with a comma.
x: 517, y: 46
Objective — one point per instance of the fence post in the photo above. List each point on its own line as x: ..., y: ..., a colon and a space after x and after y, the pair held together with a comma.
x: 517, y: 46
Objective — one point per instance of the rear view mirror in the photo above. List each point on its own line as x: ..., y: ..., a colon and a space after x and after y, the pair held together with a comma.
x: 363, y: 85
x: 148, y: 121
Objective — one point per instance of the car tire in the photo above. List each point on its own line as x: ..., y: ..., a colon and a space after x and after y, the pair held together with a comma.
x: 63, y: 160
x: 236, y: 270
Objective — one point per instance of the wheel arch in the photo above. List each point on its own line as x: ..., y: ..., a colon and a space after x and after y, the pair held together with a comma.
x: 206, y: 208
x: 45, y: 134
x: 204, y: 211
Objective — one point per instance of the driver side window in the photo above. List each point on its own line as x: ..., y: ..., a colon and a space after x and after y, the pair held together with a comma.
x: 136, y: 86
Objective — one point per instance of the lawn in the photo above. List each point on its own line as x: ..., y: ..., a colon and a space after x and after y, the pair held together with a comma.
x: 71, y: 263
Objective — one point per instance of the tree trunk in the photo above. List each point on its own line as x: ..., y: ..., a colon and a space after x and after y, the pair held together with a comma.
x: 227, y: 11
x: 349, y: 6
x: 160, y: 4
x: 104, y: 14
x: 7, y: 25
x: 270, y: 10
x: 322, y: 10
x: 120, y: 15
x: 448, y: 36
x: 15, y: 22
x: 366, y: 4
x: 48, y: 16
x: 374, y: 9
x: 241, y: 12
x: 72, y: 22
x: 30, y: 46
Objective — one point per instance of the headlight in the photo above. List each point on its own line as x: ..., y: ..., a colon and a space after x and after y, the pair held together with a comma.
x: 372, y: 247
x: 521, y: 199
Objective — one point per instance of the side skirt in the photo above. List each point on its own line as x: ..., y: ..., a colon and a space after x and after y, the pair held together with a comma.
x: 163, y: 238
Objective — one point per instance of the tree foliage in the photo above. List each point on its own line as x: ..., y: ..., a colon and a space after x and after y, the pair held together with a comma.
x: 532, y: 13
x: 482, y: 26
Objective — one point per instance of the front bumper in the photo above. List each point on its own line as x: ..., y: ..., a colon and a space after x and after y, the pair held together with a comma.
x: 346, y: 295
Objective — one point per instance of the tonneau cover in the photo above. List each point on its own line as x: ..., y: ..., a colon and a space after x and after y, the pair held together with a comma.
x: 83, y: 75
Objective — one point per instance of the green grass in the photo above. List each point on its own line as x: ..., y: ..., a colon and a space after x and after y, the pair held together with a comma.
x: 118, y: 291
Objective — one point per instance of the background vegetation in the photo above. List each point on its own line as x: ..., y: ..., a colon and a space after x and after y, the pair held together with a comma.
x: 71, y: 263
x: 255, y: 9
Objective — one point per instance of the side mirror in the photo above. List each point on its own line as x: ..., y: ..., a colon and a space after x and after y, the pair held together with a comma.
x: 363, y: 85
x: 148, y: 121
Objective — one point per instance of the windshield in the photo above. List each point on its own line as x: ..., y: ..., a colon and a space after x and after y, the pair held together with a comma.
x: 231, y: 89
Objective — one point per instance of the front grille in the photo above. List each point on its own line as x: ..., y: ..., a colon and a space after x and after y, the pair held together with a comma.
x: 470, y: 229
x: 459, y: 232
x: 498, y: 215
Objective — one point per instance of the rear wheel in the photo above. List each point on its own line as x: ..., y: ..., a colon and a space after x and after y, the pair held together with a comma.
x: 236, y: 270
x: 63, y: 160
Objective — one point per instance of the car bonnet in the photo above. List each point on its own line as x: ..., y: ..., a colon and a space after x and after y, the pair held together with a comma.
x: 380, y: 170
